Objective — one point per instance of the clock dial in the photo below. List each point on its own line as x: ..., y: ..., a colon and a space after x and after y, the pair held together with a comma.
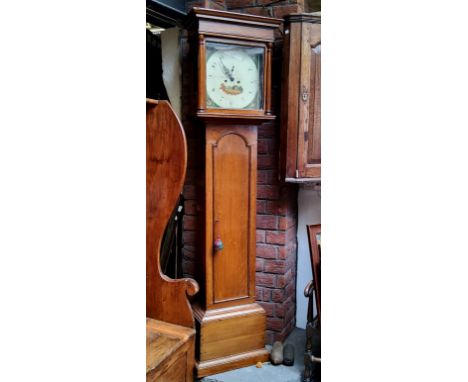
x: 234, y: 76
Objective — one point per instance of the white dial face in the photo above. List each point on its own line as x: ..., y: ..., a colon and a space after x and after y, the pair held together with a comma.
x: 233, y: 80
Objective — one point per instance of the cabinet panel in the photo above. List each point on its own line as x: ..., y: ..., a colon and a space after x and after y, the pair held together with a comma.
x: 312, y: 151
x: 300, y: 152
x: 313, y: 141
x: 231, y: 175
x: 230, y: 208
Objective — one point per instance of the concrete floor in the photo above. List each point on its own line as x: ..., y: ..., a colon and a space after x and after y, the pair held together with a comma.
x: 269, y: 372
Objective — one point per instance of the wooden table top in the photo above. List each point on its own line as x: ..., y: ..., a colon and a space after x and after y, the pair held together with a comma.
x: 163, y: 340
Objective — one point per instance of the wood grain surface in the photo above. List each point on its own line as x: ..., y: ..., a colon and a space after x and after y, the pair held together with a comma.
x: 300, y: 142
x: 166, y: 161
x: 169, y: 352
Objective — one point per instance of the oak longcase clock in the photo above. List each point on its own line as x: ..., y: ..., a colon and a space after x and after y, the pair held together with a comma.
x: 231, y: 96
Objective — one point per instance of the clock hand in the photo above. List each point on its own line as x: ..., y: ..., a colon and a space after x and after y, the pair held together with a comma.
x: 226, y: 70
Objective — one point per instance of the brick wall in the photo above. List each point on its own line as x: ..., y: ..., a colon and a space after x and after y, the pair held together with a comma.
x: 276, y: 201
x: 272, y: 8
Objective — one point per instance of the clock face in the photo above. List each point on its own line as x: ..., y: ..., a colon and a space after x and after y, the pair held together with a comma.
x: 234, y: 76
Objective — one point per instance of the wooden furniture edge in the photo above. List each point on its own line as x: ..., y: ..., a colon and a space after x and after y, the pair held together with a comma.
x: 223, y: 364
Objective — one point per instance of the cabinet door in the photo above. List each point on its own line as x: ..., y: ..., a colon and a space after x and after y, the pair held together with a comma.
x: 300, y: 153
x: 231, y: 206
x: 309, y: 153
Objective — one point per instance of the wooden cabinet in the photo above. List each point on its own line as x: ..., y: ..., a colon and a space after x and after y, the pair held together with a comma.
x: 233, y: 96
x: 300, y: 153
x: 169, y: 352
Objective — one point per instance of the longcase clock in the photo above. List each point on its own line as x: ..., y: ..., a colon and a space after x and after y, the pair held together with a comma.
x: 231, y: 98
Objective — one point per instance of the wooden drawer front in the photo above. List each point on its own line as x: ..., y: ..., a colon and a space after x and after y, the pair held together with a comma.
x: 174, y: 370
x: 232, y: 336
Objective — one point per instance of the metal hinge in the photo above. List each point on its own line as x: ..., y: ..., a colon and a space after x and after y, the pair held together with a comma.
x: 306, y: 135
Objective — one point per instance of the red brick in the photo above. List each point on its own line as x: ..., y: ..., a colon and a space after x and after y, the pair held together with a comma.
x: 267, y: 130
x: 189, y: 192
x: 269, y: 337
x: 293, y: 269
x: 258, y: 294
x: 277, y: 295
x: 261, y: 206
x: 272, y: 266
x: 267, y: 177
x: 263, y: 177
x: 291, y: 235
x: 190, y: 207
x: 265, y: 279
x: 238, y: 3
x: 275, y: 238
x: 269, y: 308
x: 188, y: 268
x: 290, y: 314
x: 282, y: 280
x: 216, y: 4
x: 188, y: 238
x: 273, y: 207
x: 287, y: 222
x: 290, y: 289
x: 191, y: 175
x: 280, y: 310
x: 189, y: 222
x: 287, y: 251
x: 274, y: 324
x: 263, y: 145
x: 259, y: 265
x: 267, y: 192
x: 267, y: 221
x: 266, y: 294
x: 260, y: 236
x: 259, y: 11
x: 266, y: 161
x: 188, y: 252
x: 266, y: 251
x: 283, y: 10
x: 262, y: 2
x: 288, y: 328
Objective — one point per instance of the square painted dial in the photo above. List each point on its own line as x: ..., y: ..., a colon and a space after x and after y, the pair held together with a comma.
x: 234, y: 76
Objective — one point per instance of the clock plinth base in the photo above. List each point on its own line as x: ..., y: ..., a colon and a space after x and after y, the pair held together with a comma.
x: 229, y: 338
x: 220, y: 365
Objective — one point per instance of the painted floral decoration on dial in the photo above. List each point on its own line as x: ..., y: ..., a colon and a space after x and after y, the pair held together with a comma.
x: 234, y: 76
